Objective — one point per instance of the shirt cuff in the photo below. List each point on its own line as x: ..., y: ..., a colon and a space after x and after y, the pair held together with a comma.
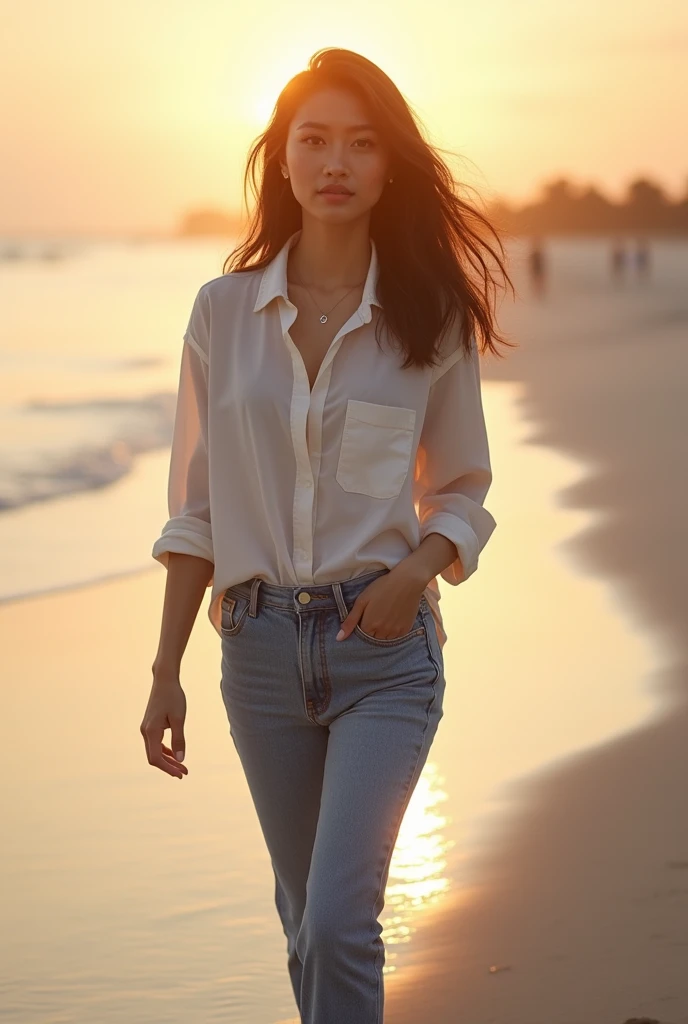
x: 468, y: 542
x: 184, y: 535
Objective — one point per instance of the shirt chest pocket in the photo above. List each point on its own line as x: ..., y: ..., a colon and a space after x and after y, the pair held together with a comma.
x: 377, y: 441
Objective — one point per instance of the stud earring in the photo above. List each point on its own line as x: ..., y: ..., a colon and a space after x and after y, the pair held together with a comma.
x: 391, y: 180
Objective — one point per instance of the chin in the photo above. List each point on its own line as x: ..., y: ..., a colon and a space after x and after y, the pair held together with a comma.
x: 335, y: 213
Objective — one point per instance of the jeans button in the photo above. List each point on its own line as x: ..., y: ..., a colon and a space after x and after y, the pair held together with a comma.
x: 304, y: 598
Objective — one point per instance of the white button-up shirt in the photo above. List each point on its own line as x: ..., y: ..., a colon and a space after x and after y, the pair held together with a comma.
x: 268, y: 478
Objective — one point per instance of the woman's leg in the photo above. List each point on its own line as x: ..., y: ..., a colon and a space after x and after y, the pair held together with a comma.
x: 383, y: 716
x: 281, y: 751
x: 332, y: 737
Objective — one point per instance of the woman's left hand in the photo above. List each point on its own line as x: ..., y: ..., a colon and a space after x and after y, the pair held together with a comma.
x: 388, y: 605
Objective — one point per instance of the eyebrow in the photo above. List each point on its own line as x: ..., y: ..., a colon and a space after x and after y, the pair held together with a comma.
x: 325, y: 127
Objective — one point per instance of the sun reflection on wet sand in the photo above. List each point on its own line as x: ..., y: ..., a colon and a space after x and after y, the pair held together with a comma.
x: 417, y: 875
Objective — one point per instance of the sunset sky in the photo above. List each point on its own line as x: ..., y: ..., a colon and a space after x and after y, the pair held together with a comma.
x: 124, y: 115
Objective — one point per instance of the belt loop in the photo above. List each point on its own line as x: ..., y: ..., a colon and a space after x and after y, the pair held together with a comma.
x: 339, y: 598
x: 253, y: 606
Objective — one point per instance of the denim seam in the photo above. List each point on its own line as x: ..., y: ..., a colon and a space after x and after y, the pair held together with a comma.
x: 325, y: 703
x: 303, y: 681
x: 427, y: 617
x: 376, y: 641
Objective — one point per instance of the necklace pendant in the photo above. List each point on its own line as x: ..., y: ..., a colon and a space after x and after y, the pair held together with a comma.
x: 323, y: 319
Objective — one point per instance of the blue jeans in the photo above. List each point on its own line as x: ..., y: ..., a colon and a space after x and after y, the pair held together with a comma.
x: 332, y: 736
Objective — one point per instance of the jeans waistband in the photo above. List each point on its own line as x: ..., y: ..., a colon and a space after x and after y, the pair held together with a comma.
x: 316, y: 596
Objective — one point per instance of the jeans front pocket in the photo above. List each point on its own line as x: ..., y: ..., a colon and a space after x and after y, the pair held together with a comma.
x: 418, y: 629
x: 375, y: 453
x: 234, y: 611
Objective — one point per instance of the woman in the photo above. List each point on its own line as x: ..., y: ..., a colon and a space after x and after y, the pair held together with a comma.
x: 320, y: 482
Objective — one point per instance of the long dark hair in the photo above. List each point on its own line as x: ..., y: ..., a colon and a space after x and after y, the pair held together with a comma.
x: 433, y: 257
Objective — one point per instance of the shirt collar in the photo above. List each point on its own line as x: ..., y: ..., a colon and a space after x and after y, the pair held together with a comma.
x: 273, y: 281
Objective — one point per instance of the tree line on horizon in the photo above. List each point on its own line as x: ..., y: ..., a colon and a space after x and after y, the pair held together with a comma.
x: 561, y: 208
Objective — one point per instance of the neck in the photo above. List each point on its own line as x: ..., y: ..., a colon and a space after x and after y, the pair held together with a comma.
x: 330, y: 257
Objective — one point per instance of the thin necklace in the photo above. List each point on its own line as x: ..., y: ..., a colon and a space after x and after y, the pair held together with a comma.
x: 323, y: 317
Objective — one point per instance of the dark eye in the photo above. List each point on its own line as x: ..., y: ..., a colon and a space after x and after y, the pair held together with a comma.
x: 371, y: 142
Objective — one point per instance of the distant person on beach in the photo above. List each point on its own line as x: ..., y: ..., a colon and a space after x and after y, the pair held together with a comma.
x: 302, y: 445
x: 536, y: 266
x: 618, y: 259
x: 642, y: 257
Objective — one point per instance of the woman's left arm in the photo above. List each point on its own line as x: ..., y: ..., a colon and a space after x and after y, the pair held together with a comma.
x: 452, y: 476
x: 453, y: 472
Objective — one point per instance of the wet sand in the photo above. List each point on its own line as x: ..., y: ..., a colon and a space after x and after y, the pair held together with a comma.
x: 580, y: 912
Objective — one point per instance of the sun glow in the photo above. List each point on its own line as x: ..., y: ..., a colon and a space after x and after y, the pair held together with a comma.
x: 260, y: 105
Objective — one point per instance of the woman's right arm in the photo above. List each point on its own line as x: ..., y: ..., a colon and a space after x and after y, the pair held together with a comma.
x: 187, y: 579
x: 184, y: 547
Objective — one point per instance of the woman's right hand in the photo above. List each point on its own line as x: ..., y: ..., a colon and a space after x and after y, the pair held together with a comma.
x: 166, y: 709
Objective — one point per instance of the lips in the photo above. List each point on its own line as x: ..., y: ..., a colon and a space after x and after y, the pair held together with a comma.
x: 337, y: 190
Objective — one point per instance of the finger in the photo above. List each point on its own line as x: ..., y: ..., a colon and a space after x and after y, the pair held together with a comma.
x: 177, y: 741
x: 175, y: 764
x: 154, y: 736
x: 347, y: 627
x: 166, y: 766
x: 147, y: 741
x: 169, y: 753
x: 142, y: 730
x: 351, y: 619
x: 169, y: 756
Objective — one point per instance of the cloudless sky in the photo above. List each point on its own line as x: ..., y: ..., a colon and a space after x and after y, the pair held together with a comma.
x: 117, y: 116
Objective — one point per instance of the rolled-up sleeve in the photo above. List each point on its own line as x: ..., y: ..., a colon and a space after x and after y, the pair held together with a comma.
x: 188, y: 530
x: 453, y: 472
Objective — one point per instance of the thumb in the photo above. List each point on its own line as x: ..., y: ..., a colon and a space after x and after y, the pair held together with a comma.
x: 178, y: 743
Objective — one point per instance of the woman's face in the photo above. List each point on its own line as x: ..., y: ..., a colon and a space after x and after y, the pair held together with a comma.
x: 338, y: 151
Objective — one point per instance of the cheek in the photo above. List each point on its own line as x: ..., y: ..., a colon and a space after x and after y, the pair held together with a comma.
x: 304, y: 162
x: 372, y: 182
x: 372, y: 173
x: 305, y: 176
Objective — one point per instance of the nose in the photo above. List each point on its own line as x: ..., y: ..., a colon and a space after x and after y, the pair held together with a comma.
x: 336, y: 164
